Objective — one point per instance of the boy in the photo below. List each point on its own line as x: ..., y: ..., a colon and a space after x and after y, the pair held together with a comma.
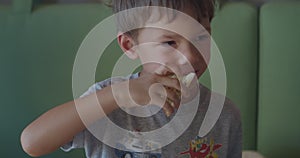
x: 163, y: 54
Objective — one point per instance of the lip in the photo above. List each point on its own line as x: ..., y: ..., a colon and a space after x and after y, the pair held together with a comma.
x: 197, y: 72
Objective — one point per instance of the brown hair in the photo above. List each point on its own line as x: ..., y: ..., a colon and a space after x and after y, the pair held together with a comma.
x: 201, y: 8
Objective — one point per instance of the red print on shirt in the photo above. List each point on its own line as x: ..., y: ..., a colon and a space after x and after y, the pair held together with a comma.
x: 200, y: 148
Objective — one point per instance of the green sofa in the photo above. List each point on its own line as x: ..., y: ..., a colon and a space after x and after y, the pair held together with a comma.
x: 38, y: 45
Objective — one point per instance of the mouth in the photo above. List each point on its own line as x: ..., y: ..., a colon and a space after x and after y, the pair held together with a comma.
x: 173, y: 75
x: 197, y: 72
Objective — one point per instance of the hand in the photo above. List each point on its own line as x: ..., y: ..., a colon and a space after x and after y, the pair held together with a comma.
x: 149, y: 89
x: 188, y: 81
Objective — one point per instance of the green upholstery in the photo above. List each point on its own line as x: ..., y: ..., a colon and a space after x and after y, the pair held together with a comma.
x: 37, y: 54
x: 279, y: 86
x: 234, y: 30
x: 38, y: 47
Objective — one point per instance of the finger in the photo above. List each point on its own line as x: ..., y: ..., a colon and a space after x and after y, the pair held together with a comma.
x: 169, y: 69
x: 168, y: 109
x: 172, y: 96
x: 162, y: 70
x: 174, y: 69
x: 169, y: 82
x: 166, y: 104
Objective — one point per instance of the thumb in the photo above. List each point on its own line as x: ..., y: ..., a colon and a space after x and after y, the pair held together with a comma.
x: 162, y: 70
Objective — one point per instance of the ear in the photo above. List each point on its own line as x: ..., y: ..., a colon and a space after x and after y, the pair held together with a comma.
x: 127, y: 45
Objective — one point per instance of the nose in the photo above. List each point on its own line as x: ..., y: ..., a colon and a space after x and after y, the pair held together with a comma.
x: 192, y: 59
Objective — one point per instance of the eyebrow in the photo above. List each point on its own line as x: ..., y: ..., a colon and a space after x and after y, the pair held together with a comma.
x: 169, y: 35
x: 175, y: 35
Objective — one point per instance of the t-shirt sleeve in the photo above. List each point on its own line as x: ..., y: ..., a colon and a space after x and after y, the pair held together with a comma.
x: 77, y: 142
x: 82, y: 139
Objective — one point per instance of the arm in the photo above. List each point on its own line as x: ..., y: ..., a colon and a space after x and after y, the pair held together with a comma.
x: 59, y: 125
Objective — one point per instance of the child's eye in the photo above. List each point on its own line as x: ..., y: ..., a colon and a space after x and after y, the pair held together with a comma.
x: 170, y: 43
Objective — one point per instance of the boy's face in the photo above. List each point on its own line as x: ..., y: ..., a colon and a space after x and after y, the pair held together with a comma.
x: 170, y: 44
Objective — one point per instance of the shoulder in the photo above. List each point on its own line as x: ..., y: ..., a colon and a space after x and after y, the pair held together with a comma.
x: 223, y: 116
x: 229, y: 110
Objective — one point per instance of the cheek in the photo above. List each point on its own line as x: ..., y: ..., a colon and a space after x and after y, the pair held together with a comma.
x: 155, y: 55
x: 203, y: 51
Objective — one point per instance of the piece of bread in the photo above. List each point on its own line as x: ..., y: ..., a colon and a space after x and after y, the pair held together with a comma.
x: 186, y: 80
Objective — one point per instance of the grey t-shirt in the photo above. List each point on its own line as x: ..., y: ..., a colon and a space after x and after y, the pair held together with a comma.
x: 224, y: 140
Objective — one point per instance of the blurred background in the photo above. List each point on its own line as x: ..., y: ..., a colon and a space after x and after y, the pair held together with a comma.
x: 256, y: 2
x: 258, y: 39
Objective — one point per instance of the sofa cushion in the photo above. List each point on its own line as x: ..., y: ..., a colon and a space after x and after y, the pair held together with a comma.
x: 37, y: 56
x: 279, y: 86
x: 235, y: 31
